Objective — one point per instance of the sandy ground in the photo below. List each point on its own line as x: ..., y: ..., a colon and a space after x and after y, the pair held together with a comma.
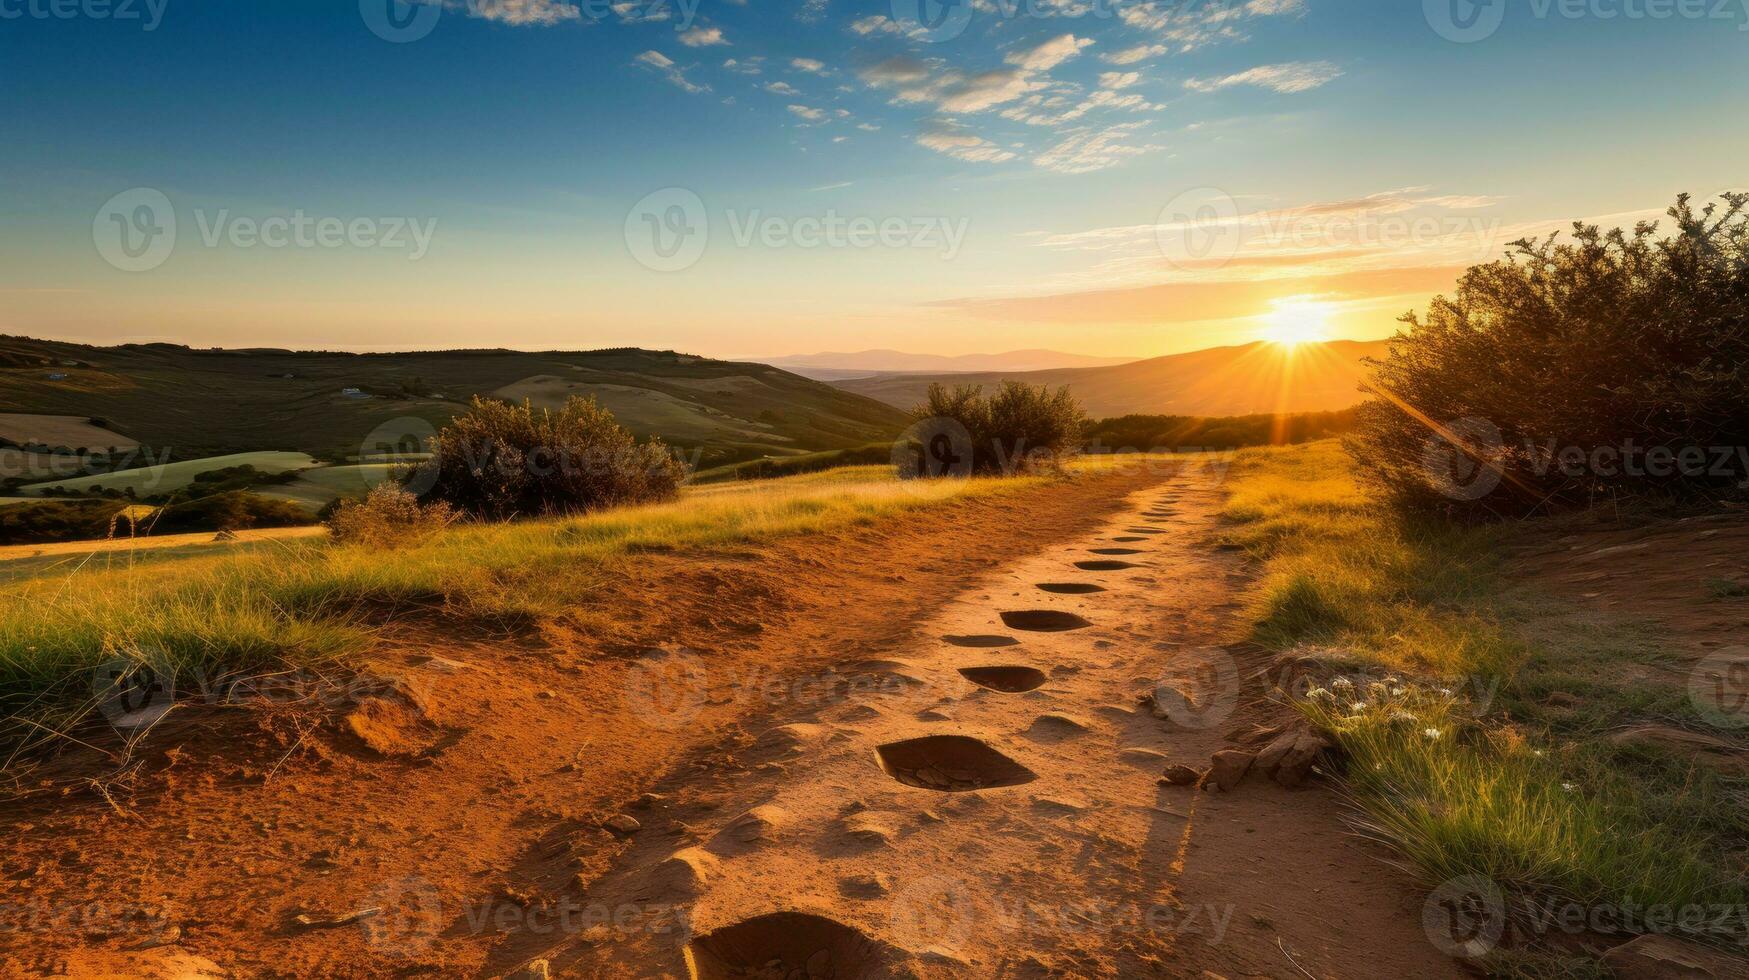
x: 756, y: 715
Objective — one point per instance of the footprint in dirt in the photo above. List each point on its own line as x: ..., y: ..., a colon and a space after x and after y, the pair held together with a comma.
x: 1007, y: 679
x: 1043, y: 621
x: 1114, y: 551
x: 1071, y: 588
x: 950, y: 764
x: 1105, y: 566
x: 981, y: 641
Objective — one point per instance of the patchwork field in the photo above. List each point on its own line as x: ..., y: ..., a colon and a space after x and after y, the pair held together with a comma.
x: 170, y: 477
x: 70, y: 431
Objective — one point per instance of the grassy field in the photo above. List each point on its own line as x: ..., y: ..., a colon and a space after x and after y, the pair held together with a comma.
x: 317, y: 487
x: 171, y: 477
x: 1454, y: 759
x: 305, y: 603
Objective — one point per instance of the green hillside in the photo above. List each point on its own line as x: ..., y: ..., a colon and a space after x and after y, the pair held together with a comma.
x: 197, y: 403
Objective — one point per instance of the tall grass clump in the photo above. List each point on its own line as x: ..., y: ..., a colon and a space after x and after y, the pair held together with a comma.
x: 500, y: 461
x: 1433, y: 667
x: 1020, y: 428
x: 1613, y: 365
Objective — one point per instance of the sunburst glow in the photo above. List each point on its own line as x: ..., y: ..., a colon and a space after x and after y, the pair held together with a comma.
x: 1297, y: 321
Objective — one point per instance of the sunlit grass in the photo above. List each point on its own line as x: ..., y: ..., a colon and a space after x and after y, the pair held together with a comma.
x: 1446, y: 760
x: 313, y: 603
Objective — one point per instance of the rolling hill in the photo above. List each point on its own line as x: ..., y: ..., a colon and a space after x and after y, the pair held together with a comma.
x: 836, y: 365
x: 197, y: 403
x: 1222, y: 381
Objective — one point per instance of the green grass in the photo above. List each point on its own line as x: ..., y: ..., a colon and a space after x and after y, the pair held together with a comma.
x: 1459, y: 760
x: 170, y: 477
x: 317, y: 604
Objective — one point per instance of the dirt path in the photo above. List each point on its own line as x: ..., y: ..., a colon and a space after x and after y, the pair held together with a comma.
x: 756, y: 713
x: 58, y: 549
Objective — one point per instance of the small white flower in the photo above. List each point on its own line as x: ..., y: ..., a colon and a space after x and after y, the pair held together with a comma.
x: 1444, y: 692
x: 1569, y: 787
x: 1319, y: 694
x: 1396, y: 692
x: 1537, y: 752
x: 1431, y: 733
x: 1357, y: 707
x: 1342, y: 684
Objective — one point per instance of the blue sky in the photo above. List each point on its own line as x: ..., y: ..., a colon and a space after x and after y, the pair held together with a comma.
x: 1060, y: 168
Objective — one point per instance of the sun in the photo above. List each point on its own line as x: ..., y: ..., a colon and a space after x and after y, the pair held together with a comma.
x: 1297, y: 321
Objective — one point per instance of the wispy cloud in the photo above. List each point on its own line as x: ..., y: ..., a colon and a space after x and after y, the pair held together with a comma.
x: 661, y: 63
x: 808, y: 65
x: 702, y: 37
x: 946, y: 137
x: 521, y: 13
x: 1090, y: 149
x: 1299, y: 76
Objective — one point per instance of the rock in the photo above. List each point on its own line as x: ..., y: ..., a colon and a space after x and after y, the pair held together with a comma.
x: 1703, y: 750
x: 1182, y: 776
x: 1229, y: 768
x: 622, y: 823
x: 535, y: 970
x: 1668, y: 958
x: 649, y: 800
x: 865, y: 886
x: 1289, y: 758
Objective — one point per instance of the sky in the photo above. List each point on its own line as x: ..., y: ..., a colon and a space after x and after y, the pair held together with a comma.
x: 755, y: 178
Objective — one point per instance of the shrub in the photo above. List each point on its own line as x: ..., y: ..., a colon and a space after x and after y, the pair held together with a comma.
x: 1021, y: 428
x: 389, y: 516
x: 1614, y: 365
x: 502, y: 461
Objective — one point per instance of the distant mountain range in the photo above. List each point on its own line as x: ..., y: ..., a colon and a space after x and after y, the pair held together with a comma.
x: 1247, y: 380
x: 834, y: 365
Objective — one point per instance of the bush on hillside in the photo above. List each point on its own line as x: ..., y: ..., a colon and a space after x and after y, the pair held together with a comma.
x: 388, y: 517
x: 1129, y: 433
x: 1021, y: 428
x: 56, y: 520
x: 234, y: 510
x: 501, y: 461
x: 1614, y: 365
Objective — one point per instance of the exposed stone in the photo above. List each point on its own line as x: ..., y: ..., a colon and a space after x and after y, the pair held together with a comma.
x: 622, y: 823
x: 1180, y: 775
x: 1668, y: 958
x: 1701, y: 749
x: 535, y: 970
x: 1229, y: 768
